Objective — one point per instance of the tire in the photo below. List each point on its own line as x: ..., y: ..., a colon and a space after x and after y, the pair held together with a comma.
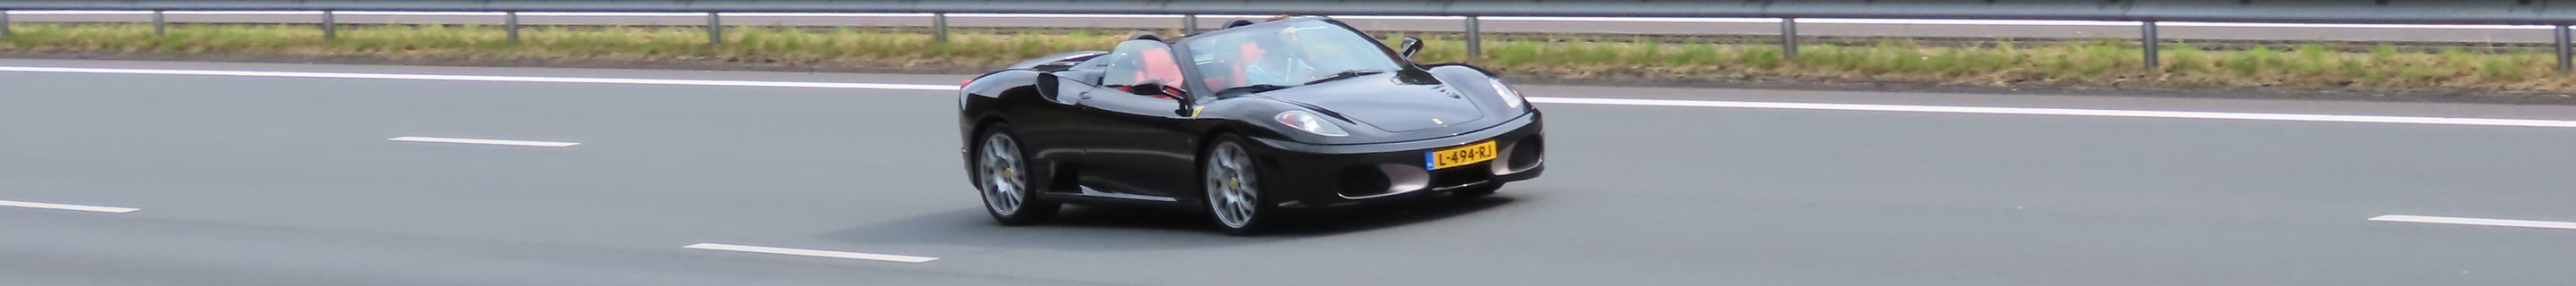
x: 1476, y: 191
x: 1231, y: 184
x: 1002, y: 179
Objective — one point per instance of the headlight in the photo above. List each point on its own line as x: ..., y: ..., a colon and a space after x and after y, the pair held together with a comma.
x: 1302, y: 120
x: 1511, y: 97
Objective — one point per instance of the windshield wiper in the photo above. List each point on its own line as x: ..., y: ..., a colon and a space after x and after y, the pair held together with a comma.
x: 1250, y: 89
x: 1257, y: 88
x: 1346, y: 74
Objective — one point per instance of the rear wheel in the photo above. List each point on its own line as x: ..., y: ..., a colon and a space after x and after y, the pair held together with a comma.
x: 1232, y: 186
x: 1003, y: 179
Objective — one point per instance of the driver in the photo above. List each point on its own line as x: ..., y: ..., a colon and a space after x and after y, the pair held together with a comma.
x: 1278, y: 59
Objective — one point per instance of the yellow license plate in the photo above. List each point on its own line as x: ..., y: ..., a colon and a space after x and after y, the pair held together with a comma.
x: 1454, y: 157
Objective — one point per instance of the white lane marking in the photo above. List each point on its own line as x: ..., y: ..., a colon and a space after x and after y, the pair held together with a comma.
x: 1964, y: 22
x: 2064, y: 111
x: 68, y: 207
x: 76, y: 12
x: 484, y: 141
x: 1638, y: 19
x: 488, y: 78
x: 1105, y: 16
x: 810, y: 252
x: 244, y: 13
x: 1423, y: 18
x: 2477, y: 221
x: 958, y: 15
x: 855, y: 15
x: 1417, y: 18
x: 389, y: 13
x: 258, y: 13
x: 1557, y: 100
x: 612, y: 14
x: 2351, y: 26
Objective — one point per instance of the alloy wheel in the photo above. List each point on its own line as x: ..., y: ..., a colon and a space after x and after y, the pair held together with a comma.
x: 1230, y: 186
x: 1002, y: 179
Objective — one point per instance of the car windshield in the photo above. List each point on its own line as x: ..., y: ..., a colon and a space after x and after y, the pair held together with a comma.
x: 1287, y: 55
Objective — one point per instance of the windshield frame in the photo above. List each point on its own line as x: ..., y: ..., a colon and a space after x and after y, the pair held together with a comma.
x: 1185, y: 49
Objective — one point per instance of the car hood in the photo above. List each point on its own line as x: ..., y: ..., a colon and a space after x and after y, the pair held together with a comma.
x: 1383, y: 102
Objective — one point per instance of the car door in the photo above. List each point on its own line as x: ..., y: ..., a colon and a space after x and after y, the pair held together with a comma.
x: 1139, y: 143
x: 1050, y: 125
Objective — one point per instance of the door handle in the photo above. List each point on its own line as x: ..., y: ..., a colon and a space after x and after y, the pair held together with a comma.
x: 1086, y: 95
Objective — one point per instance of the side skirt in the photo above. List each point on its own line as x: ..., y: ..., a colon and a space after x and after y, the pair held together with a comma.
x: 1091, y: 196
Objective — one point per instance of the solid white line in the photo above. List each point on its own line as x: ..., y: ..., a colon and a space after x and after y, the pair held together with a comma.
x: 488, y: 78
x: 2351, y: 26
x: 67, y: 207
x: 1964, y: 22
x: 2477, y: 221
x: 2063, y: 111
x: 1423, y: 18
x: 814, y: 253
x: 484, y: 141
x: 246, y: 13
x: 859, y: 15
x: 257, y: 13
x: 1637, y: 19
x: 1556, y: 100
x: 393, y: 13
x: 1102, y: 16
x: 1416, y: 18
x: 612, y: 14
x: 77, y: 12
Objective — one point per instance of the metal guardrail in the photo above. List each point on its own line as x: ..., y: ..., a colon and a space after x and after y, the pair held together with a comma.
x: 2145, y: 12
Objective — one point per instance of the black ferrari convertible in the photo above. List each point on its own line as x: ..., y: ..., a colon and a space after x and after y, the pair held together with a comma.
x: 1302, y: 112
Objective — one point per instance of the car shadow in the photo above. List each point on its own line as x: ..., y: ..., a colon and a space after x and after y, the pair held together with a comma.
x: 1081, y: 228
x: 1367, y: 218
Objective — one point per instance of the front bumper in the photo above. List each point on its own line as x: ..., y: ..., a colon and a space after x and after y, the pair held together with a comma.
x: 1309, y: 175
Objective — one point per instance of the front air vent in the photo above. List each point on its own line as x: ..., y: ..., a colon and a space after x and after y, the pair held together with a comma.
x: 1358, y: 181
x: 1361, y: 182
x: 1521, y: 156
x: 1527, y: 154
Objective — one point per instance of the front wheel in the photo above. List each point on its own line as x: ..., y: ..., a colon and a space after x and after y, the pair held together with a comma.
x: 1002, y: 176
x: 1232, y: 186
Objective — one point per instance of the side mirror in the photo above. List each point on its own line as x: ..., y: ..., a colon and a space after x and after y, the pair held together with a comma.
x: 1411, y: 45
x: 1047, y: 85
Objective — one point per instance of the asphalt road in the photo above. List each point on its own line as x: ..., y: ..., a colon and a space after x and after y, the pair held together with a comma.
x: 292, y: 181
x: 1813, y: 27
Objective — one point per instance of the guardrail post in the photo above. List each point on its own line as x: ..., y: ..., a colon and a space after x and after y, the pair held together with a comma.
x: 510, y: 21
x: 159, y: 27
x: 2147, y: 35
x: 2565, y: 63
x: 330, y: 27
x: 939, y: 27
x: 715, y: 29
x: 1189, y: 23
x: 1475, y: 39
x: 1788, y: 37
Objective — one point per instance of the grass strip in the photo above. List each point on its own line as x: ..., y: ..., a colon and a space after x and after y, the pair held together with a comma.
x: 2102, y: 63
